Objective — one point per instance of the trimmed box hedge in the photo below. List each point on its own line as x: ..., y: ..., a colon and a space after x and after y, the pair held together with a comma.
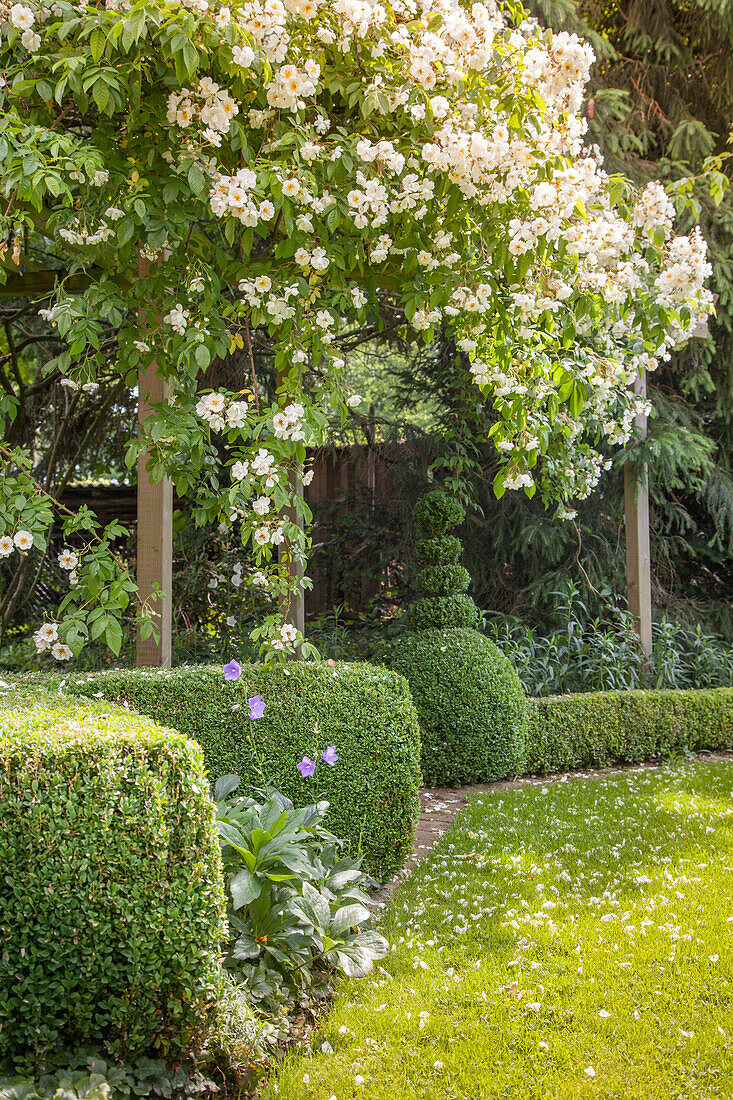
x: 366, y: 712
x: 111, y: 891
x: 608, y: 727
x: 472, y: 707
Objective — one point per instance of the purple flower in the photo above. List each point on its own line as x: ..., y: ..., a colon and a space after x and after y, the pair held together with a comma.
x: 306, y: 767
x: 232, y: 671
x: 256, y: 706
x: 330, y: 756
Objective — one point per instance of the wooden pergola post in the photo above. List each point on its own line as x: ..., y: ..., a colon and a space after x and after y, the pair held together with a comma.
x: 295, y: 612
x: 293, y: 609
x: 154, y: 538
x: 638, y: 556
x: 154, y: 528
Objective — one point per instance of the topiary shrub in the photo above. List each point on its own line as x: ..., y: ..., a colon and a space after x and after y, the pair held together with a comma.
x: 441, y: 550
x: 609, y: 727
x: 441, y: 581
x: 471, y: 704
x: 365, y: 712
x: 437, y: 611
x: 435, y: 513
x: 112, y: 902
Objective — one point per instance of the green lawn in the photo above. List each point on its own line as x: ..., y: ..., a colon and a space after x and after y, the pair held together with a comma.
x: 608, y: 902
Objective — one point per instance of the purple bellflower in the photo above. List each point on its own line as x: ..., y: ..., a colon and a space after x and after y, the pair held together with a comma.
x: 256, y: 706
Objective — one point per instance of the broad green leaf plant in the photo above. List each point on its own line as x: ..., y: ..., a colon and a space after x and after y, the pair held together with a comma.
x: 200, y: 172
x: 297, y: 907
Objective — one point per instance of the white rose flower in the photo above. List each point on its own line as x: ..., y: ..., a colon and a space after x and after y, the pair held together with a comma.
x: 23, y: 540
x: 68, y: 559
x: 237, y: 414
x: 61, y: 652
x: 31, y: 40
x: 22, y: 17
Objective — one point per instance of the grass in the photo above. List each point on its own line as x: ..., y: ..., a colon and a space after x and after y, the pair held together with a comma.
x: 561, y: 941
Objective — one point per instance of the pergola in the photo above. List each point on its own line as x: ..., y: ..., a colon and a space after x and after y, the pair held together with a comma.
x: 155, y: 509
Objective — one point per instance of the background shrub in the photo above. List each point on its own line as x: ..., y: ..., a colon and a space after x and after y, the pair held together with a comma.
x: 111, y: 906
x: 601, y: 653
x: 471, y: 705
x: 607, y: 727
x: 365, y: 712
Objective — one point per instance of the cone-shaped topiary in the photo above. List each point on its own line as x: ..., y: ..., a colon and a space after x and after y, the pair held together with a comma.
x: 472, y: 707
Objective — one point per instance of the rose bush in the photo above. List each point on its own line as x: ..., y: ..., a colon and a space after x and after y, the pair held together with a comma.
x: 195, y: 171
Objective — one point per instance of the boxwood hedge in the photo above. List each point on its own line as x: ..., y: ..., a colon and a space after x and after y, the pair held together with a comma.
x: 111, y: 893
x: 607, y: 727
x: 471, y: 704
x: 366, y: 713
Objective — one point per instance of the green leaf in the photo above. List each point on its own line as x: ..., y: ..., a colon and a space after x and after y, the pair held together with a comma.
x: 97, y: 42
x: 196, y: 179
x: 113, y: 636
x: 100, y: 92
x: 312, y: 907
x: 244, y: 888
x: 347, y: 917
x: 190, y: 58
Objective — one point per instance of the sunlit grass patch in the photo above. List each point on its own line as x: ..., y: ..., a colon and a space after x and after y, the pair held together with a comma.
x: 572, y: 940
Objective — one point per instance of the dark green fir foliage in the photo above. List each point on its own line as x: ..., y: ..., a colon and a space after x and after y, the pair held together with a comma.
x: 471, y: 704
x: 366, y: 713
x: 111, y: 889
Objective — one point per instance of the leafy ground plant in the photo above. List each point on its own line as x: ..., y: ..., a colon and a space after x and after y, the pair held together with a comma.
x: 91, y: 1075
x: 561, y: 941
x: 602, y: 653
x: 297, y: 908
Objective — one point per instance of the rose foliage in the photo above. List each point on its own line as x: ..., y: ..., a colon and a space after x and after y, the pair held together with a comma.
x: 197, y: 171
